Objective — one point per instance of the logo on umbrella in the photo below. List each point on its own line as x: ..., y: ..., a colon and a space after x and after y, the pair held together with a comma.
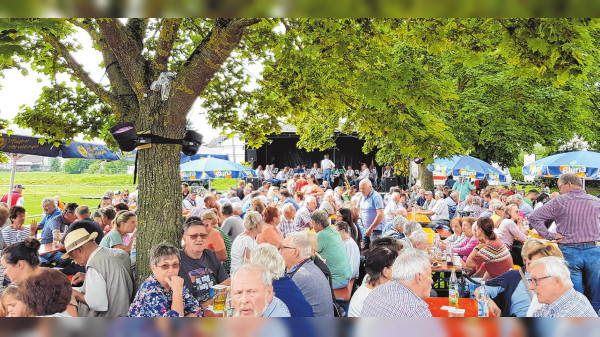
x: 578, y: 169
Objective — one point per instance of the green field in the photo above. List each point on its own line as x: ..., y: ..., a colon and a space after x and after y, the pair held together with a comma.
x: 71, y: 187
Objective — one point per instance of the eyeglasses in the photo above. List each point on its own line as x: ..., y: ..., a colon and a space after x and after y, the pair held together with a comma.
x: 536, y: 280
x: 561, y: 185
x: 283, y: 247
x: 196, y: 236
x: 167, y: 266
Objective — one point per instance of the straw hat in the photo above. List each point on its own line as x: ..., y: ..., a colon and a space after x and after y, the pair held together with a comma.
x: 76, y: 239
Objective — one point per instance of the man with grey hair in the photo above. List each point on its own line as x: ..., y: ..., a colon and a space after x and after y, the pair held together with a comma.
x: 252, y: 293
x: 303, y: 214
x: 476, y: 207
x: 371, y: 209
x: 577, y: 218
x: 396, y: 227
x: 465, y: 206
x: 296, y: 252
x: 332, y: 249
x: 233, y: 225
x: 287, y: 224
x: 409, y: 228
x: 284, y: 288
x: 437, y: 210
x: 403, y: 296
x: 523, y: 206
x: 550, y: 279
x: 50, y: 211
x: 82, y: 212
x: 451, y: 202
x: 419, y: 240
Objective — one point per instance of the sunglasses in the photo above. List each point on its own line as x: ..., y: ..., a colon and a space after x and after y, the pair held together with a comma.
x: 167, y: 266
x: 196, y: 236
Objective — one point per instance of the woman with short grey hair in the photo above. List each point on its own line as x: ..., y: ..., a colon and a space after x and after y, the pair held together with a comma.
x: 164, y: 293
x: 284, y: 288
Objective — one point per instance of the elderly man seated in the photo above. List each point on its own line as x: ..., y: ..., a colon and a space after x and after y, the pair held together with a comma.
x: 396, y: 227
x: 296, y: 252
x: 332, y: 249
x: 550, y: 279
x: 404, y: 295
x: 107, y: 287
x: 394, y: 208
x: 437, y: 209
x: 252, y: 293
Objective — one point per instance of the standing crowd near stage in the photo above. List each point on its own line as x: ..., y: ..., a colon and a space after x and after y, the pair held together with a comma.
x: 290, y: 247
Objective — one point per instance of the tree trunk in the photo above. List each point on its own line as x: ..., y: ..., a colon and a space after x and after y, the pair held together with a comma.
x: 159, y: 204
x: 426, y: 177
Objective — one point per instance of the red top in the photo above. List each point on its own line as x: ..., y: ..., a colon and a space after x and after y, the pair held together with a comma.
x: 301, y: 183
x: 15, y: 197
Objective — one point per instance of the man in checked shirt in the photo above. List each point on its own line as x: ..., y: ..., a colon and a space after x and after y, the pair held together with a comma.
x: 577, y: 218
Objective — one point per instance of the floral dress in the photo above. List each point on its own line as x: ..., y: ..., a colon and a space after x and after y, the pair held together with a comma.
x: 153, y: 300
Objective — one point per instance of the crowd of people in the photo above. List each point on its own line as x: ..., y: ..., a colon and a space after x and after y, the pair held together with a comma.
x: 326, y: 173
x: 285, y: 250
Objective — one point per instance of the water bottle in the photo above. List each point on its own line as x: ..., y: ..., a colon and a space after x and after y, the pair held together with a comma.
x: 483, y: 306
x: 453, y: 289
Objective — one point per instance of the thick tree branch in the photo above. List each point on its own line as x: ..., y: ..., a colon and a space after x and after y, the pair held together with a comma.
x: 124, y: 44
x: 168, y: 35
x: 78, y: 70
x: 137, y: 30
x: 206, y: 60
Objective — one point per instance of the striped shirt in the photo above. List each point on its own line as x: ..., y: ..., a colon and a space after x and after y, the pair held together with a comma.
x: 577, y: 217
x: 571, y: 304
x: 394, y: 299
x: 12, y: 236
x: 496, y: 258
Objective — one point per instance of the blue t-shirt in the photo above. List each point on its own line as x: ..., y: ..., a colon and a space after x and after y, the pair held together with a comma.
x: 368, y: 209
x: 57, y: 222
x: 293, y: 202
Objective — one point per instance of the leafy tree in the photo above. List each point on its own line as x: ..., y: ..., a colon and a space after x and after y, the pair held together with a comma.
x: 134, y: 53
x: 76, y: 165
x: 55, y: 165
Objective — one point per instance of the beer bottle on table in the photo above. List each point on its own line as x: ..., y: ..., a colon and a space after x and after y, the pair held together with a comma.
x: 483, y: 305
x: 453, y: 288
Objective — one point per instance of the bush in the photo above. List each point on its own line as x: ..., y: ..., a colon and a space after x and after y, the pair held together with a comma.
x: 516, y: 173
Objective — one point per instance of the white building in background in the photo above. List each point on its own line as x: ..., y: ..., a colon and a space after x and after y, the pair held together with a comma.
x: 29, y: 163
x: 234, y: 147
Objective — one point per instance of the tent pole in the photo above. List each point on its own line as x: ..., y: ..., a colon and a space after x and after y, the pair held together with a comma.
x: 12, y: 179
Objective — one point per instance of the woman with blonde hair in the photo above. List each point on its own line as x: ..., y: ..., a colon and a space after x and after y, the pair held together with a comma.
x: 124, y: 223
x: 245, y: 243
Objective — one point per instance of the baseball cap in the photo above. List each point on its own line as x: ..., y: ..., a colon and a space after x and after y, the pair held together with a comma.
x: 18, y: 186
x: 428, y: 192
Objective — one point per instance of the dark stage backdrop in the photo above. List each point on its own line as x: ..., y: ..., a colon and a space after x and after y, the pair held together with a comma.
x: 283, y: 152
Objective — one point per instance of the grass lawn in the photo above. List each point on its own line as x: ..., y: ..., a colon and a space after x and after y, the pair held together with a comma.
x: 71, y: 187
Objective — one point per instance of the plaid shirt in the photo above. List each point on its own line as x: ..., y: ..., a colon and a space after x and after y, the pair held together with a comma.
x: 287, y: 226
x: 394, y: 299
x: 571, y: 304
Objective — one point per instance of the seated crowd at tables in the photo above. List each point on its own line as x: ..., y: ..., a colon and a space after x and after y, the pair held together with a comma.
x: 285, y: 253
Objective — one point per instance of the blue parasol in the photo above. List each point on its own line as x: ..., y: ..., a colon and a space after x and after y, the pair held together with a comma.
x: 586, y: 164
x: 466, y: 166
x: 210, y: 168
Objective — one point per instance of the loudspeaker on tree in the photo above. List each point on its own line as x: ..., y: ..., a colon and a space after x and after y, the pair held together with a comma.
x: 251, y: 154
x: 256, y: 183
